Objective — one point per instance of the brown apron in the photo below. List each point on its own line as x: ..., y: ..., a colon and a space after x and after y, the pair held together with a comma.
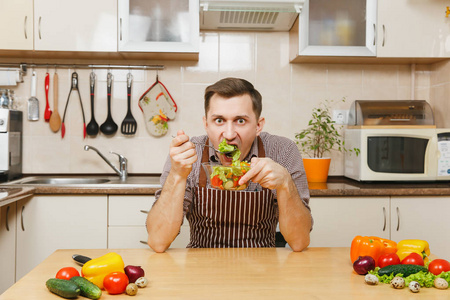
x: 222, y: 219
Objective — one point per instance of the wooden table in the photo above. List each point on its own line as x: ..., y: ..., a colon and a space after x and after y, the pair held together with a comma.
x: 267, y: 273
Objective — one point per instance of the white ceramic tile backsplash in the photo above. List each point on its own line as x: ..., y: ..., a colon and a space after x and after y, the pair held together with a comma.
x: 290, y: 91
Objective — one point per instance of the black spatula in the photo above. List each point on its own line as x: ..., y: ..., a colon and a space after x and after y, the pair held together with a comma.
x: 129, y: 124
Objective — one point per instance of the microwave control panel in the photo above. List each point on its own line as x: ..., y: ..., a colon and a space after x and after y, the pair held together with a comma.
x: 444, y: 157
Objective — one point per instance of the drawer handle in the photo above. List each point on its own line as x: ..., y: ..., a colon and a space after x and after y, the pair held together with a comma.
x: 384, y: 35
x: 7, y: 214
x: 25, y: 27
x: 39, y: 28
x: 398, y: 218
x: 21, y: 218
x: 143, y: 242
x: 374, y: 34
x: 120, y: 28
x: 384, y: 213
x: 144, y: 211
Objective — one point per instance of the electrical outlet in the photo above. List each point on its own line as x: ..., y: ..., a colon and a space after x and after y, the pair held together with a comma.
x: 340, y: 116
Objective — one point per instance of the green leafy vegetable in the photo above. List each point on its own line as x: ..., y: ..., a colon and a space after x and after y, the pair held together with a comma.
x: 425, y: 279
x: 224, y: 147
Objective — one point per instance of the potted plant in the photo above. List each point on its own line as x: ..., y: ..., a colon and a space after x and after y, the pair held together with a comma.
x: 317, y: 140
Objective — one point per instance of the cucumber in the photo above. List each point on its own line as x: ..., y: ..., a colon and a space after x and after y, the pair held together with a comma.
x: 229, y: 184
x: 64, y: 288
x: 406, y: 270
x: 87, y: 288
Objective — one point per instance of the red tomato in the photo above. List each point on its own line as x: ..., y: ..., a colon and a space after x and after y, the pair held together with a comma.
x: 215, y: 181
x: 438, y: 266
x: 388, y: 259
x: 413, y: 259
x: 115, y: 283
x: 67, y: 273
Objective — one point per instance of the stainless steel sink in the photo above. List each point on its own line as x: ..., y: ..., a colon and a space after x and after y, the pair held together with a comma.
x: 65, y: 181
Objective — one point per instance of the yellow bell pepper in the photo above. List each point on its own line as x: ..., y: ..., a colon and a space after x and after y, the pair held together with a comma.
x: 406, y: 247
x: 96, y: 269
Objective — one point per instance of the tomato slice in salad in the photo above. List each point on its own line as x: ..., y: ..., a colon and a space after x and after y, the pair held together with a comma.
x: 215, y: 181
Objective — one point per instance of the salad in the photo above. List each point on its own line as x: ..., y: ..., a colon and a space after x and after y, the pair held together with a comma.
x: 227, y: 177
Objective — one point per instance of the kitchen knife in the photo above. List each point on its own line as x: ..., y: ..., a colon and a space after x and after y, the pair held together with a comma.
x: 81, y: 259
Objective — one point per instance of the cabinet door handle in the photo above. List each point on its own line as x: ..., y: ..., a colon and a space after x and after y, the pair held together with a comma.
x: 120, y: 20
x: 374, y: 34
x: 25, y: 27
x: 21, y: 218
x: 384, y: 213
x: 384, y: 35
x: 39, y: 28
x: 7, y: 215
x: 143, y: 242
x: 144, y: 211
x: 398, y: 218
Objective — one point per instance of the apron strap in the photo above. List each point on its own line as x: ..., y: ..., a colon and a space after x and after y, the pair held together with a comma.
x: 205, y: 158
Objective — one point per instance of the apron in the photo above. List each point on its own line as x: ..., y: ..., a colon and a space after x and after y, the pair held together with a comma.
x: 224, y: 219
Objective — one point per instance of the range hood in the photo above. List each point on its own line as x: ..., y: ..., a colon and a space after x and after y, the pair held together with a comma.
x: 260, y: 15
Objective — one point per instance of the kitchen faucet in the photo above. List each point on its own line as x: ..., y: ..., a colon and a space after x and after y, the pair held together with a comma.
x: 123, y: 172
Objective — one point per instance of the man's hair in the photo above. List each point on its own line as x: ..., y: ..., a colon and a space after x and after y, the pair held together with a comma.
x: 232, y: 87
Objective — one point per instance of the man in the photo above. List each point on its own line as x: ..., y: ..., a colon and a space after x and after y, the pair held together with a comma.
x: 277, y: 192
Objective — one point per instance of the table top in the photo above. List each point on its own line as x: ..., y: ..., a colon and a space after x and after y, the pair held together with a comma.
x: 231, y: 273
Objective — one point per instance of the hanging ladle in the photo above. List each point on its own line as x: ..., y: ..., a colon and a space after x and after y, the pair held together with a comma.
x: 109, y: 127
x: 92, y: 127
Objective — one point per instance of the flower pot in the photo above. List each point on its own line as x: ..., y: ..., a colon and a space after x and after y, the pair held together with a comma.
x: 316, y: 169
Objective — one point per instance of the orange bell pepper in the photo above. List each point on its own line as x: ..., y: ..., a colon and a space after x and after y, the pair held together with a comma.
x: 371, y: 246
x: 389, y: 246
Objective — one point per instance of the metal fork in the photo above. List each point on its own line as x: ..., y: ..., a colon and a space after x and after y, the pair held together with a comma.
x: 129, y: 124
x: 227, y: 152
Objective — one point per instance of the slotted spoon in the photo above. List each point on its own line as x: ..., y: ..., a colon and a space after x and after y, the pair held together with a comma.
x: 129, y: 124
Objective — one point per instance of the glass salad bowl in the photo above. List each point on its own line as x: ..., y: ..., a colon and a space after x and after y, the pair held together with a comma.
x: 226, y: 177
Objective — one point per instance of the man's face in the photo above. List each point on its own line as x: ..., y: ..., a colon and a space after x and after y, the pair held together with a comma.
x: 232, y: 119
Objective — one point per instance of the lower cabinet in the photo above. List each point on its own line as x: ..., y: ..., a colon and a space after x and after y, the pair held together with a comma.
x: 46, y: 223
x: 337, y: 220
x: 7, y: 246
x: 126, y: 225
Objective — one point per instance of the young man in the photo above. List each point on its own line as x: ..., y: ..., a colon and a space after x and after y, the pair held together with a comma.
x: 278, y: 190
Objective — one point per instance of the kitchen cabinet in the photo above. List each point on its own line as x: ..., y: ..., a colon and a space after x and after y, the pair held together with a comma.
x: 82, y: 25
x: 335, y: 28
x: 424, y: 218
x: 365, y: 30
x: 401, y: 34
x: 7, y: 245
x: 16, y: 25
x: 158, y: 26
x: 338, y: 220
x: 46, y: 223
x: 126, y: 225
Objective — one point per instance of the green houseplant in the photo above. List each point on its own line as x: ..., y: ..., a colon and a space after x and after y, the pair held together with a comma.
x: 319, y: 138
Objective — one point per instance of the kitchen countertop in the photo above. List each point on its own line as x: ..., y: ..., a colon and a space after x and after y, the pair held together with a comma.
x: 229, y: 273
x: 147, y: 185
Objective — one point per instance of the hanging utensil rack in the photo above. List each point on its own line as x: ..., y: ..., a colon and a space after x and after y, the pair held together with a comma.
x: 23, y: 66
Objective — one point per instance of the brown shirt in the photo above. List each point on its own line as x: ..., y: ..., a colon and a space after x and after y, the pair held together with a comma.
x: 280, y: 149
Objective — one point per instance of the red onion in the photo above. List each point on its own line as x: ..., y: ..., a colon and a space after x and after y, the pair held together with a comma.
x: 134, y: 272
x: 363, y: 265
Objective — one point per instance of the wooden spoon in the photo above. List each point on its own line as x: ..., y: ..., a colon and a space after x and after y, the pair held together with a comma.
x: 55, y: 118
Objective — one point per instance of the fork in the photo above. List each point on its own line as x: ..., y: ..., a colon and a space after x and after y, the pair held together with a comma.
x: 129, y: 124
x: 197, y: 143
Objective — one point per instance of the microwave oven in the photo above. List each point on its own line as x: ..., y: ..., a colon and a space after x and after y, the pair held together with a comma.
x: 396, y: 154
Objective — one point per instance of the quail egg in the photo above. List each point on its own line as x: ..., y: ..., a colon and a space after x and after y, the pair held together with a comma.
x: 414, y: 286
x: 440, y: 283
x: 371, y: 279
x: 398, y: 282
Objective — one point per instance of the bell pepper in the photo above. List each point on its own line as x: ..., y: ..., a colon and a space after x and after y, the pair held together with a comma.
x: 389, y: 246
x: 371, y: 246
x: 96, y: 269
x: 406, y: 247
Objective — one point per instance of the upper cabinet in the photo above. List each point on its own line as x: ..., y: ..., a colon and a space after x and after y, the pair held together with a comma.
x: 365, y: 29
x: 82, y: 25
x: 413, y: 28
x: 337, y: 28
x: 16, y: 24
x: 158, y: 26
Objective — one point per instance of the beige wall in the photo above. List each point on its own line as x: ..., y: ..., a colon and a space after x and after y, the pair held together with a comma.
x: 290, y: 91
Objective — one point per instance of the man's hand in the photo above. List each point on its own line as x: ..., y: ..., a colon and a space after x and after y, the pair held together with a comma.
x: 182, y: 154
x: 267, y: 173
